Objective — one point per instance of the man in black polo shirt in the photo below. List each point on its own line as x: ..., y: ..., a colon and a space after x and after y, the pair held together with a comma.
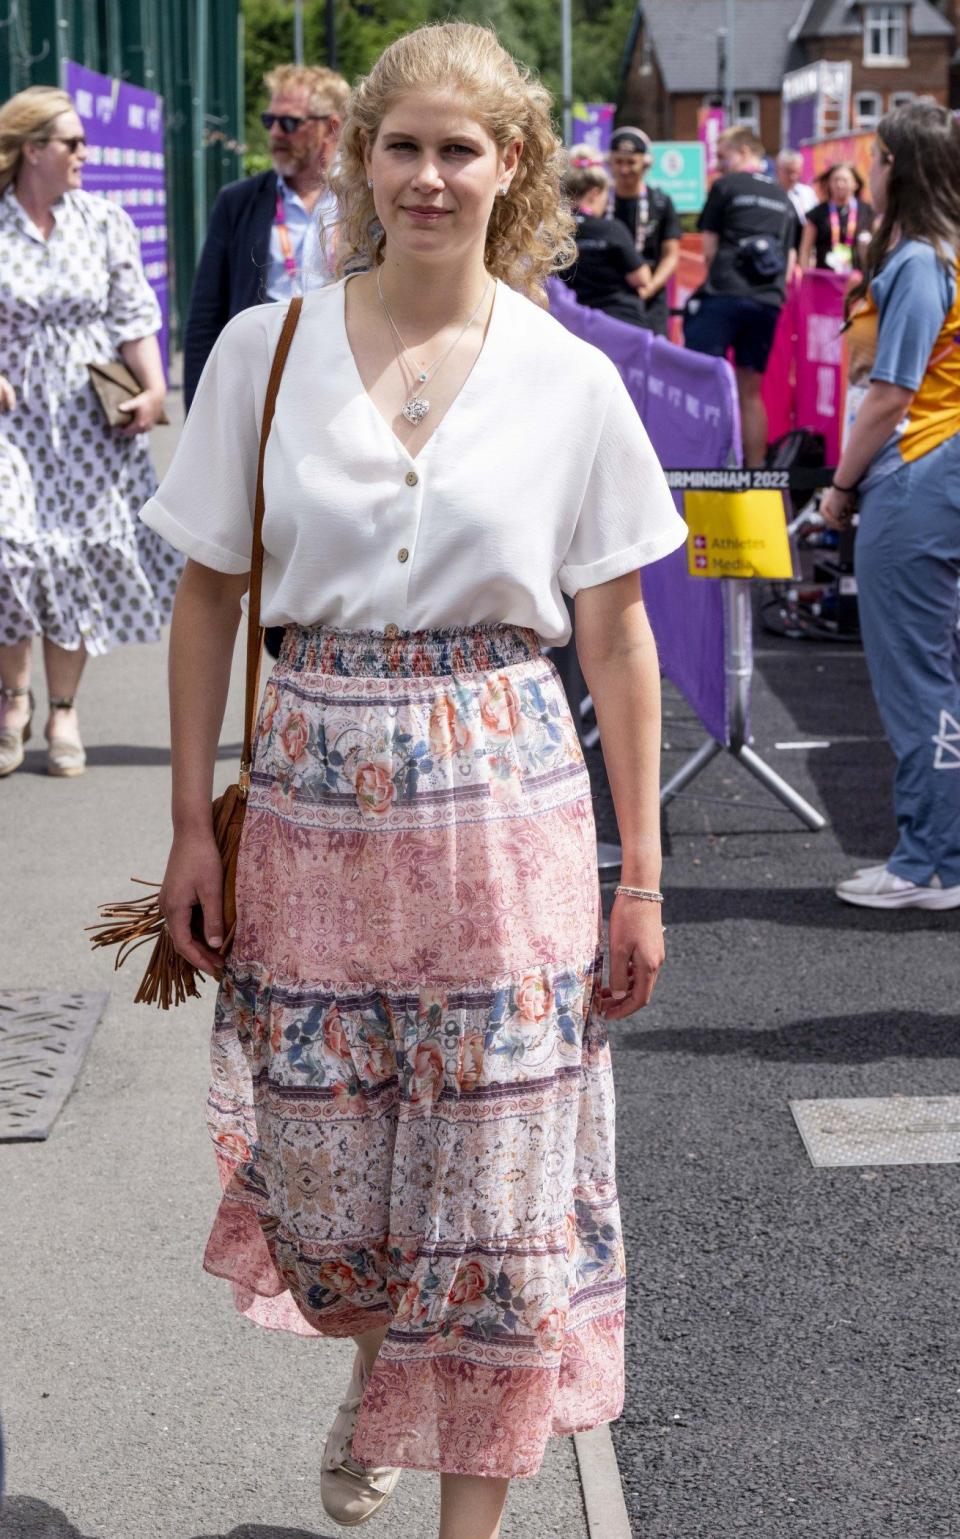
x: 649, y: 216
x: 750, y: 237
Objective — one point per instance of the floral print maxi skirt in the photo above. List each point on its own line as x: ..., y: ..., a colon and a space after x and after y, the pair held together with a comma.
x: 412, y: 1101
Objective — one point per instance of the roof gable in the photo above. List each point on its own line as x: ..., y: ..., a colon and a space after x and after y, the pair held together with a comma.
x: 844, y: 18
x: 684, y: 38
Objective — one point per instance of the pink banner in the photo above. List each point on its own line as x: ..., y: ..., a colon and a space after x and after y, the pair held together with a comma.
x: 780, y: 379
x: 711, y: 122
x: 820, y: 373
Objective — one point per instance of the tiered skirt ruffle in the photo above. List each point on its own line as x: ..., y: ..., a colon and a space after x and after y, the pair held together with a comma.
x: 412, y: 1101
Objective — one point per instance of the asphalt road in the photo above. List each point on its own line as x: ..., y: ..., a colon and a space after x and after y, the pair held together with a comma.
x: 793, y: 1332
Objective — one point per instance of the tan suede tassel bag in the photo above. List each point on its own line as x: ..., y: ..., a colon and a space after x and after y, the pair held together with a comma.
x: 169, y: 979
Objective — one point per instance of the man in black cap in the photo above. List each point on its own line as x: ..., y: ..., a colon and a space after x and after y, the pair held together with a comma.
x: 650, y: 217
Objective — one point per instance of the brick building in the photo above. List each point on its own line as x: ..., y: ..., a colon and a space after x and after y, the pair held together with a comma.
x: 896, y: 50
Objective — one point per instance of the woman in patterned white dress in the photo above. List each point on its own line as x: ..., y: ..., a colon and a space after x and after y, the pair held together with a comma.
x: 75, y: 566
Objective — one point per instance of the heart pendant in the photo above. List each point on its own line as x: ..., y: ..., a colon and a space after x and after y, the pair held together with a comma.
x: 415, y: 409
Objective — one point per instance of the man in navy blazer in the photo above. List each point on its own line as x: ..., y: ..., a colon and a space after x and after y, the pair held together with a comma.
x: 262, y: 242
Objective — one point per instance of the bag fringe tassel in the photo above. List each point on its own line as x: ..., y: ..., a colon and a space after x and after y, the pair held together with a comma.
x: 169, y: 979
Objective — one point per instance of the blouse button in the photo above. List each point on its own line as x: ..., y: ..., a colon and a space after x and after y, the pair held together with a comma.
x: 411, y: 478
x: 403, y: 554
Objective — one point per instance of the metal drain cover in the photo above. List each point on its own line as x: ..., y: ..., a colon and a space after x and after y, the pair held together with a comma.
x: 43, y: 1042
x: 881, y: 1130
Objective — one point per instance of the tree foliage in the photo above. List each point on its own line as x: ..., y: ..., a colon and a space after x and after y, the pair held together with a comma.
x: 530, y: 29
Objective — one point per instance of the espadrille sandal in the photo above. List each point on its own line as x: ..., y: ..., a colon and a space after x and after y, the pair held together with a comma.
x: 350, y: 1493
x: 65, y: 752
x: 13, y: 740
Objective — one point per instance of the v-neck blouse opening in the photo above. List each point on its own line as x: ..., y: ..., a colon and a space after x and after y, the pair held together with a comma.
x: 538, y: 481
x: 418, y: 457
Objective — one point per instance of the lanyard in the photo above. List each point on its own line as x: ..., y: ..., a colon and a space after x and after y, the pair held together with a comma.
x: 836, y: 239
x: 286, y: 244
x: 643, y: 215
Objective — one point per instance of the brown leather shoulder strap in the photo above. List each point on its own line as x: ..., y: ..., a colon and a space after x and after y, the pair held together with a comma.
x: 254, y: 629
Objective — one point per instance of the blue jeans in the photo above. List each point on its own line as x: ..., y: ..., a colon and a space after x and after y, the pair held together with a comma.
x: 907, y: 565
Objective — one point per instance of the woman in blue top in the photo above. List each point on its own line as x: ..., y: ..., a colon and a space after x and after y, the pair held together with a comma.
x: 901, y: 465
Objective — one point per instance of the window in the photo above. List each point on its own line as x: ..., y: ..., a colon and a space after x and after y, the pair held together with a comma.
x: 746, y: 110
x: 867, y: 109
x: 900, y: 98
x: 885, y: 34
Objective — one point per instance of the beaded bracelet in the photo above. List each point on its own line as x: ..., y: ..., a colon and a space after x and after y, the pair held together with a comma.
x: 646, y: 893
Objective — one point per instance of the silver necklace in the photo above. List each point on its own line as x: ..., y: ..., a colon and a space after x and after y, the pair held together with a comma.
x: 415, y: 407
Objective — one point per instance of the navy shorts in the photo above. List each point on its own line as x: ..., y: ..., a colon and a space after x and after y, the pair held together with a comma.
x: 715, y: 323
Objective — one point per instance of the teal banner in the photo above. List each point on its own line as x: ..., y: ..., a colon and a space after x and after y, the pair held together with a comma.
x: 679, y: 169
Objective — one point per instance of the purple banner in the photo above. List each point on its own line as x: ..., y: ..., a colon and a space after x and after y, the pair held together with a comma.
x: 592, y: 123
x: 801, y: 122
x: 688, y: 403
x: 125, y: 162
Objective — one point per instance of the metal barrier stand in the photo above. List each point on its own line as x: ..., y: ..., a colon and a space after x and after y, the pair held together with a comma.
x: 738, y: 668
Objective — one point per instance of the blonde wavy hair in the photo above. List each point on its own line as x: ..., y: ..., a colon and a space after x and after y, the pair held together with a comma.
x: 530, y: 234
x: 326, y: 90
x: 27, y: 118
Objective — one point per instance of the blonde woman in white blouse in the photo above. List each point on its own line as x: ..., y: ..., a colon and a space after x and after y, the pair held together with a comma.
x: 412, y: 1099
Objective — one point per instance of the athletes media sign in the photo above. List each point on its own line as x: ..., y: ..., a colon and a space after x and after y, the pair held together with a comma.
x: 125, y: 162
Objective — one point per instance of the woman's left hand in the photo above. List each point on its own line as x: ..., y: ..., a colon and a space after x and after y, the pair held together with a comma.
x: 837, y: 508
x: 636, y: 956
x: 144, y: 410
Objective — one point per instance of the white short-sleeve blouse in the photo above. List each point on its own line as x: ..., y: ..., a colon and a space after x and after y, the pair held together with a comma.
x: 540, y: 480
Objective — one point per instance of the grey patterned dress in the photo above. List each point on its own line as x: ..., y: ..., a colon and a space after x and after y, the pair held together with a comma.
x: 76, y: 564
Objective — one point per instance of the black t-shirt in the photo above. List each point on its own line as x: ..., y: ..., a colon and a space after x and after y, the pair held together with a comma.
x: 605, y: 253
x: 651, y: 219
x: 741, y: 207
x: 850, y: 230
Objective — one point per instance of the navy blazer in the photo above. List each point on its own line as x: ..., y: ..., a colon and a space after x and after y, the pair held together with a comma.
x: 232, y: 271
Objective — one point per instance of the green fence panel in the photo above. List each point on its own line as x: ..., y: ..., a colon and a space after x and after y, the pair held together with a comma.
x: 189, y: 52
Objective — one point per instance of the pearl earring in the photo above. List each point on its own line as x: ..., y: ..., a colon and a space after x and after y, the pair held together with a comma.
x: 502, y: 189
x: 370, y: 185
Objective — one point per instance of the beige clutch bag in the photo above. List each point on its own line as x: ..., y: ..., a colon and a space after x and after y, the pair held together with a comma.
x: 115, y: 384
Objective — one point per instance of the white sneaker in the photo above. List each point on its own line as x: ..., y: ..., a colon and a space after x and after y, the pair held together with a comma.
x: 876, y: 887
x: 350, y: 1492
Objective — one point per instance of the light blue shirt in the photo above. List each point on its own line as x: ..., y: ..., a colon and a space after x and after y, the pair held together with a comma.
x: 913, y: 292
x: 304, y: 229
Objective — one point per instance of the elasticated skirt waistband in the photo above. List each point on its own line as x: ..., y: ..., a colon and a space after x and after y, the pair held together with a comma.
x: 396, y: 654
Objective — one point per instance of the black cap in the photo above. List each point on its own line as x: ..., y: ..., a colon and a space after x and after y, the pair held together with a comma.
x: 631, y: 138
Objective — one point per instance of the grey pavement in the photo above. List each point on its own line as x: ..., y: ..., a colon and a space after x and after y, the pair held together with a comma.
x: 136, y: 1403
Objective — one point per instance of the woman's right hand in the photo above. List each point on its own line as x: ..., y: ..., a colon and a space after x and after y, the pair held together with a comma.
x: 194, y: 876
x: 8, y: 396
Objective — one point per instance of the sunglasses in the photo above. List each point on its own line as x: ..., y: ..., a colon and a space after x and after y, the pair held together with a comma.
x: 73, y: 144
x: 289, y: 123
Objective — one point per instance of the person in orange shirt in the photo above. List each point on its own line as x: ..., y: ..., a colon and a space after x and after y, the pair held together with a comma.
x: 901, y: 465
